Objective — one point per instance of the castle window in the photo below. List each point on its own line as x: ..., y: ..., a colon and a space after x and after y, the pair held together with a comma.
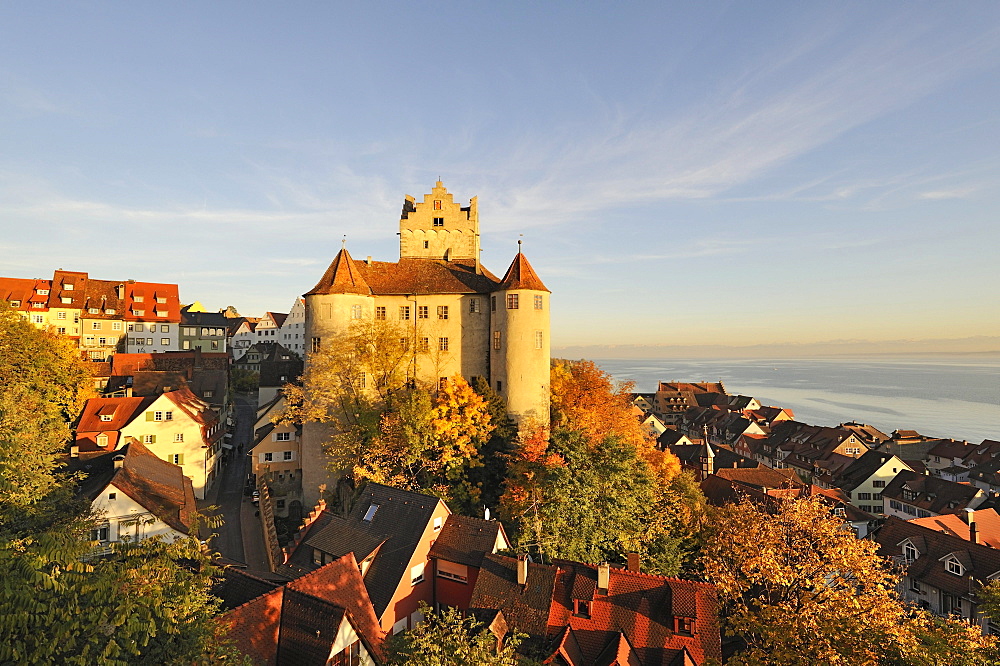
x: 442, y: 383
x: 442, y: 312
x: 473, y: 305
x: 404, y: 343
x: 380, y: 313
x: 493, y: 303
x: 539, y: 339
x: 427, y: 245
x: 315, y: 344
x: 499, y: 386
x: 423, y: 312
x: 424, y: 345
x: 355, y: 312
x: 496, y: 339
x: 538, y: 302
x: 438, y: 221
x: 437, y: 204
x: 511, y: 301
x: 404, y: 312
x: 443, y: 344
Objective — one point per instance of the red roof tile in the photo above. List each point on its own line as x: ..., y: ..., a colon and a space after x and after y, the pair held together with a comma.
x: 342, y: 277
x: 521, y: 275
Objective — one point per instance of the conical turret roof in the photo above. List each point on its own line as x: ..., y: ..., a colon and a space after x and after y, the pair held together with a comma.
x: 521, y: 275
x: 342, y: 277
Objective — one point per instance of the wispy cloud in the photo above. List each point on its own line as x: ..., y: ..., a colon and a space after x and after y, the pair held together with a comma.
x: 960, y: 193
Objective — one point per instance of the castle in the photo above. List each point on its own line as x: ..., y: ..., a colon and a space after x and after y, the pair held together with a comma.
x: 464, y: 319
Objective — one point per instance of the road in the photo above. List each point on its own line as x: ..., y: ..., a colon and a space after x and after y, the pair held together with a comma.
x: 229, y: 496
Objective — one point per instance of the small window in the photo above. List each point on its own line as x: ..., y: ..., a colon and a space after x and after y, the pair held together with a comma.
x: 279, y: 504
x: 442, y: 344
x: 438, y: 522
x: 499, y: 386
x: 512, y: 301
x: 581, y: 608
x: 380, y: 313
x: 496, y: 339
x: 438, y: 221
x: 157, y: 416
x: 538, y: 302
x: 423, y: 312
x: 286, y: 455
x: 67, y: 286
x: 66, y: 300
x: 168, y: 416
x: 685, y: 626
x: 179, y: 437
x: 442, y: 312
x: 404, y: 312
x: 102, y: 440
x: 910, y: 553
x: 177, y: 458
x: 60, y: 315
x: 208, y: 393
x: 427, y: 245
x: 442, y: 383
x: 417, y: 574
x: 953, y: 566
x: 355, y: 312
x: 437, y: 204
x: 282, y: 436
x: 539, y: 340
x: 473, y: 305
x: 424, y: 345
x: 404, y: 343
x: 878, y: 484
x: 165, y: 342
x: 112, y: 496
x: 161, y: 299
x: 149, y: 439
x: 268, y: 457
x: 370, y: 513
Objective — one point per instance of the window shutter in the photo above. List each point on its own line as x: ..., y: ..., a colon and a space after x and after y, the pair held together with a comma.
x: 180, y: 458
x: 149, y: 416
x: 153, y: 441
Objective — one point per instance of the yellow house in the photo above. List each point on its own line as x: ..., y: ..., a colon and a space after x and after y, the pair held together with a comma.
x: 179, y: 427
x: 276, y: 459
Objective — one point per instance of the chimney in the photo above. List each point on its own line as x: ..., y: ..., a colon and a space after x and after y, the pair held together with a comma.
x: 522, y: 570
x: 603, y: 577
x: 119, y: 461
x: 74, y: 451
x: 634, y: 562
x: 970, y: 518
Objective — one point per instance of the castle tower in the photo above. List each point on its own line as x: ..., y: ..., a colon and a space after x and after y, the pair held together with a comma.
x: 341, y: 296
x: 439, y: 228
x: 519, y: 345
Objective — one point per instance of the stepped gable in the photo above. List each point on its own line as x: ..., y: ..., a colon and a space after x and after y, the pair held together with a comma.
x: 342, y: 277
x: 521, y: 275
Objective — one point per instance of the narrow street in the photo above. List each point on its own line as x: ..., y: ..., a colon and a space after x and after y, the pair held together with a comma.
x: 228, y: 495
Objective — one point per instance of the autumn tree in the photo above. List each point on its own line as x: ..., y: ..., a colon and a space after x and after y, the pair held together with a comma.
x: 799, y: 588
x: 146, y: 602
x: 449, y: 639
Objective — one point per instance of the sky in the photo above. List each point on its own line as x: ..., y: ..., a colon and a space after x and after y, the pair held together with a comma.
x: 743, y: 173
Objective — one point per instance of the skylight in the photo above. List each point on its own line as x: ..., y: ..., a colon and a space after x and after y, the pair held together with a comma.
x: 370, y: 513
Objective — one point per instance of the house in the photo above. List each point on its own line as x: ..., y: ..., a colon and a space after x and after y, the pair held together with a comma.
x: 670, y: 438
x: 672, y: 399
x: 268, y: 327
x: 278, y: 367
x: 206, y: 331
x: 241, y: 334
x: 652, y: 425
x: 870, y: 435
x: 941, y: 571
x: 136, y: 494
x: 986, y: 475
x: 322, y: 618
x: 276, y: 460
x: 292, y: 333
x: 580, y: 614
x: 815, y: 451
x: 704, y: 459
x: 866, y: 477
x: 912, y: 495
x: 152, y: 316
x: 766, y: 416
x: 455, y: 316
x: 390, y: 533
x: 643, y: 401
x: 457, y: 556
x: 176, y: 426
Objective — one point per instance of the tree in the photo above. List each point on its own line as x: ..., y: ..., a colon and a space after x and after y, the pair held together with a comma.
x: 799, y: 587
x: 448, y: 639
x: 145, y: 602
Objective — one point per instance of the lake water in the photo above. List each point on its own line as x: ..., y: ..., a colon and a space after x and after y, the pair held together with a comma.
x: 956, y: 397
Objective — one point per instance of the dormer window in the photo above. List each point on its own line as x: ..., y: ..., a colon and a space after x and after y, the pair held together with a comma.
x: 910, y: 552
x: 105, y: 417
x: 43, y: 292
x: 161, y: 299
x: 370, y: 513
x: 66, y: 300
x: 93, y: 311
x: 581, y: 608
x: 953, y: 566
x: 684, y: 626
x: 67, y: 286
x: 110, y: 311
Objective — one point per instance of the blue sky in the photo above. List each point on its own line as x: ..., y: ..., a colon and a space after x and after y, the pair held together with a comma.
x: 703, y: 173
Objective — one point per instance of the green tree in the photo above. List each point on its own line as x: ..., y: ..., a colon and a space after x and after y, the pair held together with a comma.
x: 800, y: 588
x: 448, y: 639
x: 145, y: 602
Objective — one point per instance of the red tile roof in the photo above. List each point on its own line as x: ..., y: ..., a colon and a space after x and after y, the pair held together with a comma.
x: 342, y: 277
x: 987, y: 526
x: 150, y: 294
x: 122, y: 412
x: 407, y: 276
x: 271, y: 627
x: 521, y: 275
